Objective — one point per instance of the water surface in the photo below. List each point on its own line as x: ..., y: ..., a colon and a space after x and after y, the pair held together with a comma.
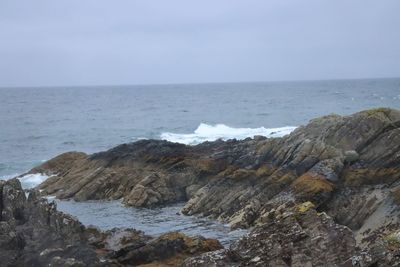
x: 109, y: 214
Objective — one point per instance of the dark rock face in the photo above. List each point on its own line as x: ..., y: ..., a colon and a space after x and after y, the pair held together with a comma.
x: 297, y: 235
x: 292, y: 236
x: 34, y: 233
x: 167, y: 250
x: 348, y: 168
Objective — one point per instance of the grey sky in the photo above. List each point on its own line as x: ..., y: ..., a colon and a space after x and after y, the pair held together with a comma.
x: 76, y: 42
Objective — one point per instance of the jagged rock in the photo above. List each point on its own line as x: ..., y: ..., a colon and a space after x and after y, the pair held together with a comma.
x: 169, y: 249
x: 297, y: 235
x: 33, y: 233
x: 312, y: 162
x: 347, y: 166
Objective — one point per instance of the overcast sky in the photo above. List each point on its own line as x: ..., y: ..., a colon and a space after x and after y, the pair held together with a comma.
x: 77, y: 42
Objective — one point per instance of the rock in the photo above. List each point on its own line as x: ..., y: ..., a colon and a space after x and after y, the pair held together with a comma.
x: 351, y: 156
x: 171, y: 248
x: 34, y: 233
x: 151, y: 173
x: 301, y: 238
x: 346, y: 166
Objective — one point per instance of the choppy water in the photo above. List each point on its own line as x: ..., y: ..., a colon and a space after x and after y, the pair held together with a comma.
x: 39, y: 123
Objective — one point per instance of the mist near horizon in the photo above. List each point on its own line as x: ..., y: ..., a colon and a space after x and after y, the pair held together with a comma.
x: 65, y: 43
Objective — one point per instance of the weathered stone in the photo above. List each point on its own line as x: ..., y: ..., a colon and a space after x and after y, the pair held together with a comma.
x: 347, y: 166
x: 301, y: 238
x: 351, y: 156
x: 34, y: 233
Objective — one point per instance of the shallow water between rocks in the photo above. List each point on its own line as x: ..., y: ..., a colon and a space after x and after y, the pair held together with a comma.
x: 109, y: 214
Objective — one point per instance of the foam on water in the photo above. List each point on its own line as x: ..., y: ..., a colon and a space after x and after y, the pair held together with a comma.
x: 7, y: 177
x: 206, y: 132
x: 32, y: 180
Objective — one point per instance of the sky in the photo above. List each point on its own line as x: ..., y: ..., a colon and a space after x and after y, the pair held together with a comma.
x: 119, y: 42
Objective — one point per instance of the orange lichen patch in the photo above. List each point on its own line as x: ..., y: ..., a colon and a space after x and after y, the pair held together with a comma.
x: 172, y: 236
x: 305, y: 206
x: 281, y: 177
x: 210, y: 166
x: 193, y: 244
x: 171, y: 160
x: 264, y: 171
x: 393, y: 240
x: 376, y: 111
x: 228, y: 171
x: 287, y: 178
x: 355, y: 177
x: 240, y: 174
x: 312, y: 183
x: 363, y: 176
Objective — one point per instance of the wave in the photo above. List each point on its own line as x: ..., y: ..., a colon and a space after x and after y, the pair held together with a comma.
x: 32, y: 180
x: 206, y: 132
x: 8, y: 176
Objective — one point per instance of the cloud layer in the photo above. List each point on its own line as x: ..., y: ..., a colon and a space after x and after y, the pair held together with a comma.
x: 74, y: 42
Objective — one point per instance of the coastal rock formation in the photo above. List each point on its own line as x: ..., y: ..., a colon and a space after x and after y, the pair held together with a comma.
x: 34, y: 233
x: 169, y: 249
x: 298, y: 235
x: 292, y: 236
x: 346, y: 167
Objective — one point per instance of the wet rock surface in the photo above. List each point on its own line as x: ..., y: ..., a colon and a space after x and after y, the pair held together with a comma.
x: 346, y: 168
x: 34, y: 233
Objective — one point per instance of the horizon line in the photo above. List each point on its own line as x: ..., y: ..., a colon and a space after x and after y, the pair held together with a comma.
x: 196, y: 83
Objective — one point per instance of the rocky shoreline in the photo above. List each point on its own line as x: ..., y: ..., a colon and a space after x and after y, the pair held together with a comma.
x: 328, y: 194
x: 34, y: 233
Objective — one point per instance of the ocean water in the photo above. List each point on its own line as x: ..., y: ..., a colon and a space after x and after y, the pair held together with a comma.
x: 39, y: 123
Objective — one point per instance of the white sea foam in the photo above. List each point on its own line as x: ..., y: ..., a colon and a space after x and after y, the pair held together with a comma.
x: 9, y: 176
x: 32, y: 180
x: 206, y: 132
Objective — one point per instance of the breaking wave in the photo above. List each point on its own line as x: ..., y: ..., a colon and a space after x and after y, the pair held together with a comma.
x: 32, y: 180
x: 206, y: 132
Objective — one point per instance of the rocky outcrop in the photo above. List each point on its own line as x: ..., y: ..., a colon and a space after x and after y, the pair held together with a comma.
x: 169, y: 249
x: 348, y: 167
x: 34, y: 233
x: 297, y: 235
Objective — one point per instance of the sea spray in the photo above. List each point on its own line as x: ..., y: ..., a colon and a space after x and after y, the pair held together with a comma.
x: 32, y: 180
x: 206, y: 132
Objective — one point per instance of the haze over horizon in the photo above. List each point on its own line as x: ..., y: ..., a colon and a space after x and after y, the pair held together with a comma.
x: 70, y: 42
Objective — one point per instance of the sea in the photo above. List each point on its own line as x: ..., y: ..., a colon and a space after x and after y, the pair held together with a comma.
x: 39, y: 123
